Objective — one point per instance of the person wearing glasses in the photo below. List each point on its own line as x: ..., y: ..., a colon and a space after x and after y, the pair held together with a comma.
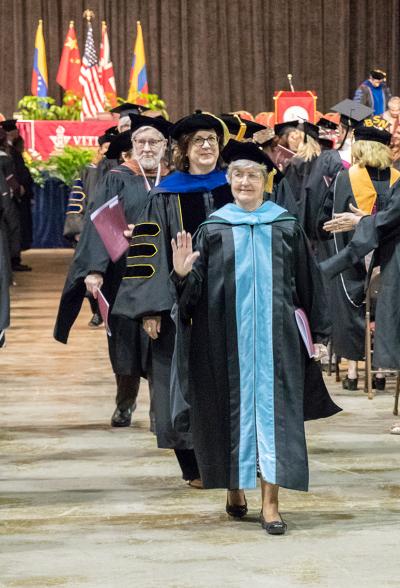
x: 143, y: 166
x: 182, y: 201
x: 251, y: 383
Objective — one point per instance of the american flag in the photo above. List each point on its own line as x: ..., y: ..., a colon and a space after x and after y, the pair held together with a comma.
x: 93, y: 94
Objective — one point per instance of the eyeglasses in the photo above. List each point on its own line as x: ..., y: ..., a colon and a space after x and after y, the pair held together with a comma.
x: 251, y: 176
x: 151, y: 142
x: 199, y: 141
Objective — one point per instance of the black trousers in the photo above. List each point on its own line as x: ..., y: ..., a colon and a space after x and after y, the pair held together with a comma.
x: 127, y: 391
x: 188, y: 463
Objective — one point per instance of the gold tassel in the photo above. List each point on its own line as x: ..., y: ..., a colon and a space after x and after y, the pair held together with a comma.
x: 269, y: 183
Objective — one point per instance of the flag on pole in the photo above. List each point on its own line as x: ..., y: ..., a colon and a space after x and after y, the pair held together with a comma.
x: 138, y: 77
x: 70, y: 63
x: 40, y: 81
x: 93, y: 95
x: 106, y: 70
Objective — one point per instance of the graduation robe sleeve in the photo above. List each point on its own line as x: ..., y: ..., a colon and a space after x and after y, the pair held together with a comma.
x: 310, y: 290
x: 370, y: 232
x: 90, y: 256
x: 76, y: 208
x: 144, y: 289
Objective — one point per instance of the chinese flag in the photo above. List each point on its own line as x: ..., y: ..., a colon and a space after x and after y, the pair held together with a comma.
x: 70, y: 63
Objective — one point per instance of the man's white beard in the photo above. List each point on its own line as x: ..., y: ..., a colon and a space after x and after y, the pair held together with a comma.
x: 149, y: 163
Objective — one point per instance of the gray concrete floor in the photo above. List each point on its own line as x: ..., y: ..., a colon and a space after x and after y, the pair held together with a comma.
x: 84, y: 505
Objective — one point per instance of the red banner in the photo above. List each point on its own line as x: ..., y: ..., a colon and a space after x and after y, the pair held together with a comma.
x: 49, y: 137
x: 295, y: 106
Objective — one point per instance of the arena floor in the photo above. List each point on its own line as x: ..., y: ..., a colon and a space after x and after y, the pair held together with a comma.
x: 85, y: 505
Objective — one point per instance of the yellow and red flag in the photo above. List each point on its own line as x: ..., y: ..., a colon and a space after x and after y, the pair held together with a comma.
x: 138, y: 77
x: 70, y: 63
x: 40, y: 82
x: 106, y: 70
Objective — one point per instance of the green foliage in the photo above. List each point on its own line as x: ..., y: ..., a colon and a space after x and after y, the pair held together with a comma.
x: 37, y: 108
x: 71, y: 107
x: 66, y: 167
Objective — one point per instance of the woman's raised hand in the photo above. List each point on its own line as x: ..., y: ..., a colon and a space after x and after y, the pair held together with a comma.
x: 183, y: 256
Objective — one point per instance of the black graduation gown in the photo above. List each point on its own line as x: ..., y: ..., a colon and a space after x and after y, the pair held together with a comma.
x: 128, y: 345
x: 347, y: 296
x: 310, y: 181
x: 24, y: 202
x: 382, y: 233
x: 247, y: 362
x: 11, y: 216
x: 82, y: 194
x: 283, y: 196
x: 5, y: 277
x: 145, y: 291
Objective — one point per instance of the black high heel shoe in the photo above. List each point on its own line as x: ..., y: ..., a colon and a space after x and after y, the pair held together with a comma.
x: 238, y: 511
x: 274, y: 527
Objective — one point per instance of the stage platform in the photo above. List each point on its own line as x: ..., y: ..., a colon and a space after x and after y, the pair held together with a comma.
x: 86, y: 506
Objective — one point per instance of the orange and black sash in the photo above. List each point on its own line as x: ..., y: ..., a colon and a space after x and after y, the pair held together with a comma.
x: 363, y: 187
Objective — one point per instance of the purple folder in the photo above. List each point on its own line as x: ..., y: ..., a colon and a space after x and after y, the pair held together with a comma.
x: 305, y: 331
x: 104, y: 309
x: 110, y: 223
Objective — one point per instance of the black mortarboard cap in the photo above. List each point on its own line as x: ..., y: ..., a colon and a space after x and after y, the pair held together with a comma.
x: 235, y: 150
x: 351, y: 112
x: 310, y: 130
x: 111, y: 131
x: 198, y: 121
x: 119, y: 144
x: 325, y: 143
x: 281, y: 128
x: 325, y: 123
x: 127, y: 108
x: 373, y: 129
x: 158, y: 122
x: 235, y: 123
x: 9, y: 125
x: 377, y: 74
x: 105, y: 139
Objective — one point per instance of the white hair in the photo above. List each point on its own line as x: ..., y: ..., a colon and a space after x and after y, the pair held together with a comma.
x: 244, y: 164
x: 147, y: 128
x: 124, y: 121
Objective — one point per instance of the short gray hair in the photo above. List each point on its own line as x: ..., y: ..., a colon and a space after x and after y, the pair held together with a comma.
x: 146, y: 128
x: 124, y: 121
x: 244, y: 163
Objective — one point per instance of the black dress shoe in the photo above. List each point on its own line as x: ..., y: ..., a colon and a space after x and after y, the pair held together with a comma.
x: 95, y: 321
x: 350, y: 383
x: 378, y: 383
x: 21, y: 267
x: 238, y: 511
x: 121, y: 418
x: 274, y: 527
